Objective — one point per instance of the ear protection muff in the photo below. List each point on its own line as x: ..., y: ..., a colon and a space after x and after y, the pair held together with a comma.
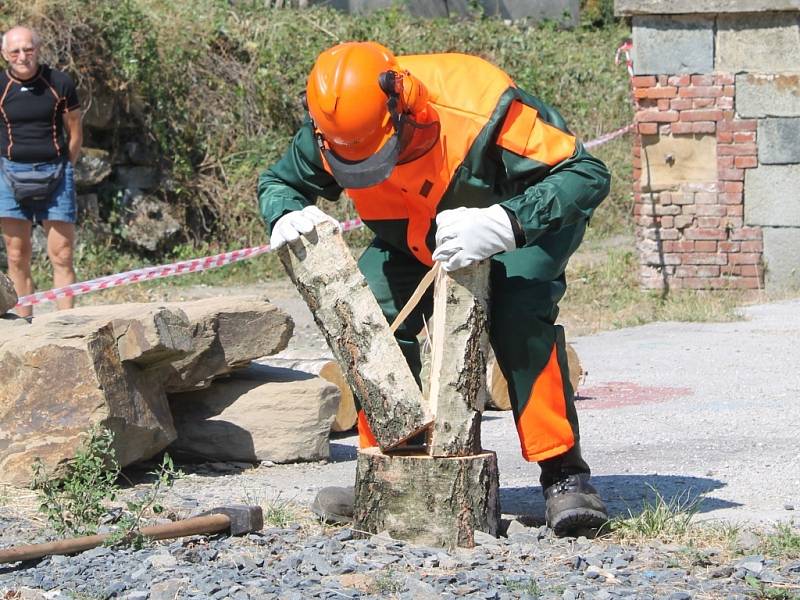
x: 410, y: 94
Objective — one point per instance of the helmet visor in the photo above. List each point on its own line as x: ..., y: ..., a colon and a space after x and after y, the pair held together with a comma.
x: 408, y: 143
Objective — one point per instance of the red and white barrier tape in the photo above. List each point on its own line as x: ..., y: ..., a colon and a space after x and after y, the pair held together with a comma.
x: 210, y: 262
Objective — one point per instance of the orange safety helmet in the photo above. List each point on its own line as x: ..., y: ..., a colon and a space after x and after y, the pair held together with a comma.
x: 367, y: 112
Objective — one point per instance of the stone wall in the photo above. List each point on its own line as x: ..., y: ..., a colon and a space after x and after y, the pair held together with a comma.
x: 716, y: 156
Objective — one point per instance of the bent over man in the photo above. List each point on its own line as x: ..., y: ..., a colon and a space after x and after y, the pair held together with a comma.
x: 40, y: 140
x: 446, y: 159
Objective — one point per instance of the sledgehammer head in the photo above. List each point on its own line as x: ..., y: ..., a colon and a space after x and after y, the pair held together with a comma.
x: 244, y: 519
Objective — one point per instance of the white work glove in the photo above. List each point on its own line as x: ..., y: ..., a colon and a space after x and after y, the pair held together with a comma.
x: 468, y: 235
x: 296, y: 223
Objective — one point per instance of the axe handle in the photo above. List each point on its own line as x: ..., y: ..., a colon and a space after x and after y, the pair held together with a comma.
x: 195, y: 525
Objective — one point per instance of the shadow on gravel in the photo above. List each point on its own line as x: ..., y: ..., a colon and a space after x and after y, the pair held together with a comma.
x: 623, y: 495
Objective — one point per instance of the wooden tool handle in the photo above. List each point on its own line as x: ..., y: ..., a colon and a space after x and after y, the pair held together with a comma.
x: 193, y: 526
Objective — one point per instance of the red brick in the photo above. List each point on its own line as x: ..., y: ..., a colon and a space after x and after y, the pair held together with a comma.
x: 665, y: 128
x: 744, y: 137
x: 750, y: 270
x: 746, y: 233
x: 729, y: 246
x: 663, y: 104
x: 711, y: 210
x: 736, y: 149
x: 710, y: 222
x: 733, y: 222
x: 697, y: 91
x: 705, y: 198
x: 679, y: 80
x: 702, y: 80
x: 724, y: 79
x: 702, y: 102
x: 732, y: 174
x: 745, y: 283
x: 682, y: 198
x: 723, y: 137
x: 745, y: 258
x: 667, y: 221
x: 724, y: 162
x: 745, y: 162
x: 735, y: 210
x: 699, y: 283
x: 657, y: 116
x: 681, y: 128
x: 705, y: 246
x: 684, y: 221
x: 684, y: 246
x: 752, y: 246
x: 637, y: 162
x: 730, y: 198
x: 637, y: 150
x: 680, y: 103
x: 724, y: 102
x: 648, y: 128
x: 709, y: 114
x: 663, y: 79
x: 643, y: 81
x: 733, y: 186
x: 702, y: 187
x: 656, y: 92
x: 739, y: 125
x: 704, y: 127
x: 728, y: 90
x: 697, y: 233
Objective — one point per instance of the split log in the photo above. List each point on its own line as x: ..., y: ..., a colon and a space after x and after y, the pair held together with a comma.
x: 498, y: 386
x: 344, y: 308
x: 8, y: 295
x: 460, y: 342
x: 329, y: 370
x: 437, y: 502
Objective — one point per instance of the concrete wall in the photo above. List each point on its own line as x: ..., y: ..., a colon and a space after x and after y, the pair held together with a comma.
x: 562, y: 11
x: 729, y: 69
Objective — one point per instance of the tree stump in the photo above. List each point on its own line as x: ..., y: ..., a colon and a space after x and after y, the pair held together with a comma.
x: 438, y: 502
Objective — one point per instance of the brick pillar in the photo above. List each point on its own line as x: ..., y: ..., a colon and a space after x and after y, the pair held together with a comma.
x: 690, y: 156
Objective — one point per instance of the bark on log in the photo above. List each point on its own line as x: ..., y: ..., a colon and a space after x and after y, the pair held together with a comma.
x: 329, y: 370
x: 460, y: 343
x: 327, y: 277
x: 437, y: 502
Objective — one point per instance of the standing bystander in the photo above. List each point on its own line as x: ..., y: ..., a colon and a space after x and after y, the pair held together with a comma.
x: 40, y: 141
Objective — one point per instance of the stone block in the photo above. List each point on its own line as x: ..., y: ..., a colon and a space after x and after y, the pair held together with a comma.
x: 673, y: 44
x: 671, y: 160
x: 772, y: 196
x: 8, y: 295
x: 93, y: 167
x: 259, y: 414
x: 768, y: 42
x: 782, y: 257
x: 627, y: 8
x: 776, y: 95
x: 779, y: 141
x: 562, y: 11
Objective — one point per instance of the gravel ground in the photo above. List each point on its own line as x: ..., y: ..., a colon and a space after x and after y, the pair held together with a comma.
x: 705, y: 411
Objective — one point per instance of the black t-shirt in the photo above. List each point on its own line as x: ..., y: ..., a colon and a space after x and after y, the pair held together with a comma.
x: 32, y: 111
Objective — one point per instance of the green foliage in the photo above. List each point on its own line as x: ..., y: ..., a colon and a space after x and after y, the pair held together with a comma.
x: 765, y: 591
x: 784, y: 542
x: 527, y: 586
x: 660, y: 518
x: 215, y: 86
x: 128, y: 531
x: 385, y: 583
x: 74, y: 500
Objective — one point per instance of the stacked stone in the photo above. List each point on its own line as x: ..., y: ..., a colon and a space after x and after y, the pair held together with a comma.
x: 693, y: 232
x: 716, y: 158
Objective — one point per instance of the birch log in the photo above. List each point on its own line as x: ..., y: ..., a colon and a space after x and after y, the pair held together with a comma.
x: 430, y: 501
x: 327, y: 277
x: 460, y: 343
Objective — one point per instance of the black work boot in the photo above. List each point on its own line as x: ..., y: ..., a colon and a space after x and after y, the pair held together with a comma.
x: 335, y: 504
x: 573, y: 506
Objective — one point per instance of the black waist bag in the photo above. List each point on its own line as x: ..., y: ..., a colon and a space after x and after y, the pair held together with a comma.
x: 33, y: 186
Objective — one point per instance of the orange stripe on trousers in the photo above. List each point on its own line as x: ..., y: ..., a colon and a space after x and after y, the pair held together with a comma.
x: 365, y: 437
x: 543, y: 428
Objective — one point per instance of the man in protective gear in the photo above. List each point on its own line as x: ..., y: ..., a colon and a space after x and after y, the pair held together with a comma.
x: 446, y: 159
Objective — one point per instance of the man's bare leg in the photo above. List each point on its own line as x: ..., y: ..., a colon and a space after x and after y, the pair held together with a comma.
x: 60, y: 247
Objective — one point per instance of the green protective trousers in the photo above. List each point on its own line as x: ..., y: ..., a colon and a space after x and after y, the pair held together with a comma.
x: 526, y: 285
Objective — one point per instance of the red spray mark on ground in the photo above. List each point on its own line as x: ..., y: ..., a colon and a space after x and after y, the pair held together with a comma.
x: 625, y: 393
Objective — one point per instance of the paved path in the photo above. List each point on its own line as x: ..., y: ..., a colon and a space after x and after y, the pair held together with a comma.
x: 687, y: 409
